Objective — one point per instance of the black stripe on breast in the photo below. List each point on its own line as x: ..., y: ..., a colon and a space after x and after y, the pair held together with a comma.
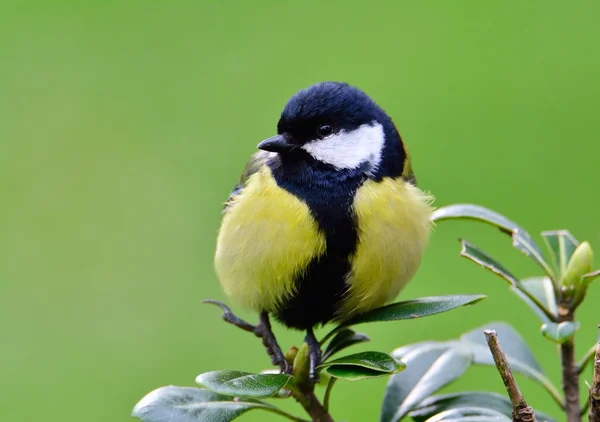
x: 329, y: 194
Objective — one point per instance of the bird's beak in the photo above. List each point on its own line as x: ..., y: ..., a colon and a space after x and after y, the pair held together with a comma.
x: 276, y: 143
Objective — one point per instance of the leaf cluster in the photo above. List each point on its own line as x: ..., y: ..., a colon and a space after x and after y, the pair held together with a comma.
x: 417, y: 372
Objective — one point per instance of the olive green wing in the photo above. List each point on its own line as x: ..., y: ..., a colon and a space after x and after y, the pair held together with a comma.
x: 257, y: 160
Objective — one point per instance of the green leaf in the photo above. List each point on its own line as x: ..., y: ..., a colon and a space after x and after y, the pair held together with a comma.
x: 559, y: 333
x: 521, y: 239
x: 543, y: 290
x: 410, y: 309
x: 469, y: 413
x: 434, y: 405
x: 243, y: 384
x: 478, y: 256
x: 437, y: 404
x: 429, y: 367
x: 403, y: 350
x: 363, y: 365
x: 375, y: 361
x: 342, y: 340
x: 354, y: 373
x: 517, y: 353
x: 561, y: 245
x: 189, y: 404
x: 586, y: 280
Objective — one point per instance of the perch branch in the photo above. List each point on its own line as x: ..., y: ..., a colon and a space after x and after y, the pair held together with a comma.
x: 303, y: 389
x: 594, y: 413
x: 522, y: 412
x: 570, y: 371
x: 311, y: 404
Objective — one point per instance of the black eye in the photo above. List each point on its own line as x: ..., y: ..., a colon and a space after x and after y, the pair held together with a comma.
x: 325, y: 130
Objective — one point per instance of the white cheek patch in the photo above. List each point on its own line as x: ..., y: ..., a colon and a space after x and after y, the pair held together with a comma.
x: 348, y: 150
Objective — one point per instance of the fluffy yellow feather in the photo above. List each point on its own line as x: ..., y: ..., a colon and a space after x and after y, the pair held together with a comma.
x: 393, y: 230
x: 266, y: 238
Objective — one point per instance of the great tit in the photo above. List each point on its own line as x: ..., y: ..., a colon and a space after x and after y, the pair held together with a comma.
x: 326, y: 222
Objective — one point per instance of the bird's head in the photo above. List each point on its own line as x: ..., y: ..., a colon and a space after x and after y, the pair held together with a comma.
x: 337, y: 125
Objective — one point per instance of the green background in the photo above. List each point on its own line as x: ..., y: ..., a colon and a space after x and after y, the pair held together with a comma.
x: 123, y: 125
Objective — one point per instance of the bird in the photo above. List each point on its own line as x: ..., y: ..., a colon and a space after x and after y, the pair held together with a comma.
x: 326, y: 221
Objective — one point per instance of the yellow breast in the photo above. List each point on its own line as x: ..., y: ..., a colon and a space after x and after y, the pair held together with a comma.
x: 266, y: 238
x: 393, y: 229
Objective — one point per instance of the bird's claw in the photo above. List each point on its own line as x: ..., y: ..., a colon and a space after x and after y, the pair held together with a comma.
x: 314, y: 355
x: 231, y: 318
x: 262, y: 330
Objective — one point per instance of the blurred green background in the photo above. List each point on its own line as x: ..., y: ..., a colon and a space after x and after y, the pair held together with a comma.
x: 123, y: 126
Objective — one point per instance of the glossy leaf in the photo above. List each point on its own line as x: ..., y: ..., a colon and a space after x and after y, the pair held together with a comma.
x: 428, y: 368
x: 354, y: 373
x: 410, y: 309
x: 243, y: 384
x: 436, y: 404
x: 403, y: 350
x: 517, y: 353
x: 521, y: 239
x: 469, y: 413
x: 363, y: 365
x: 559, y: 333
x: 542, y: 313
x: 543, y: 290
x: 561, y: 245
x: 376, y: 361
x: 478, y: 256
x: 342, y: 340
x: 189, y: 404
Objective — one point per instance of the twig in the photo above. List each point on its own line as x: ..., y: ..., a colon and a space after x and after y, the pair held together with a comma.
x: 303, y: 389
x: 594, y: 414
x: 311, y: 404
x: 521, y: 411
x: 570, y: 372
x: 285, y: 414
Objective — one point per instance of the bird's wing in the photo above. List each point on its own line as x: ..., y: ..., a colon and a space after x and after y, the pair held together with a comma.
x: 257, y: 160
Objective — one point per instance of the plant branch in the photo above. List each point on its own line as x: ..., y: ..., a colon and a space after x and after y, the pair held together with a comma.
x: 594, y: 414
x: 309, y: 401
x: 284, y: 414
x: 520, y: 290
x: 303, y: 388
x: 522, y: 412
x: 570, y: 371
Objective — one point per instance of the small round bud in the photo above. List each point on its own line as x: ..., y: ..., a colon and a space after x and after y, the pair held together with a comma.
x: 580, y: 264
x: 290, y: 355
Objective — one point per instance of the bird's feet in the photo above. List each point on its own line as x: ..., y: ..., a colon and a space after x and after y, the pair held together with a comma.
x: 314, y: 355
x: 262, y: 330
